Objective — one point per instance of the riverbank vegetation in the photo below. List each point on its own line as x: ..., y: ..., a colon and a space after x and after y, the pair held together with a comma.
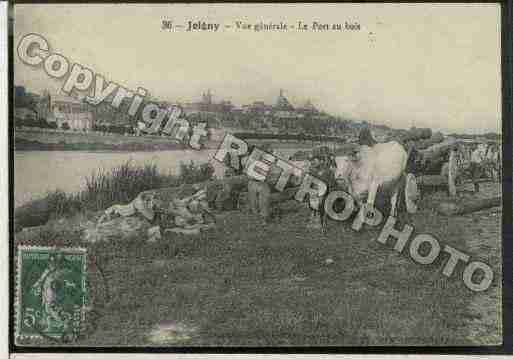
x: 121, y: 184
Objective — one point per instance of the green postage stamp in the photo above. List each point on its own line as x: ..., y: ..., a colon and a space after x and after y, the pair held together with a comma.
x: 51, y: 292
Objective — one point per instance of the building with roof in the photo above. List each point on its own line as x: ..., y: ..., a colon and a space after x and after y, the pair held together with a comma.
x: 282, y: 109
x: 282, y: 103
x: 308, y: 108
x: 65, y: 109
x: 207, y: 105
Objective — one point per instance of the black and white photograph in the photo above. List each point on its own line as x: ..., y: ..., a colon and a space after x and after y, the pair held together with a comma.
x: 263, y: 175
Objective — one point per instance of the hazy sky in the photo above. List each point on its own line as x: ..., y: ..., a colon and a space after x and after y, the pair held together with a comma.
x: 425, y: 65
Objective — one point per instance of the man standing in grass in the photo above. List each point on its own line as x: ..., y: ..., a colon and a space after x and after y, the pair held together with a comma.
x: 321, y: 166
x: 259, y: 194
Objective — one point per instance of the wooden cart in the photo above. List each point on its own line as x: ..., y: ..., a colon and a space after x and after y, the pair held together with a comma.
x: 436, y: 166
x: 446, y: 165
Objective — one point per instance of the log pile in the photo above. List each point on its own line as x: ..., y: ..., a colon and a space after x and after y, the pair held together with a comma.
x: 415, y: 134
x: 421, y: 137
x: 452, y: 208
x: 432, y: 160
x: 428, y: 142
x: 440, y: 151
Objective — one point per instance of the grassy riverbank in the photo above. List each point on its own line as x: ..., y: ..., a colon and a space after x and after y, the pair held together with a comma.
x: 37, y: 140
x: 104, y: 188
x: 246, y: 283
x: 27, y: 145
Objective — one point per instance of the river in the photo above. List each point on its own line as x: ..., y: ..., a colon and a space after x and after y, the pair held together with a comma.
x: 37, y: 172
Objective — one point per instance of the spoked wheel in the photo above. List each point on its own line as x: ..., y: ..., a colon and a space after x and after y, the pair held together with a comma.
x: 411, y: 193
x: 452, y: 173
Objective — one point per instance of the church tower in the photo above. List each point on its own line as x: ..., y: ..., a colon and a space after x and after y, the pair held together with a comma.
x: 207, y: 98
x: 282, y: 104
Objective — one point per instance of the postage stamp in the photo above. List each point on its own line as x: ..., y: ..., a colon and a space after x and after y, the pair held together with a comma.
x: 51, y: 292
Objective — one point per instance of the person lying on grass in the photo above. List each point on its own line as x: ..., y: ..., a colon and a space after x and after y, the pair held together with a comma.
x: 189, y: 214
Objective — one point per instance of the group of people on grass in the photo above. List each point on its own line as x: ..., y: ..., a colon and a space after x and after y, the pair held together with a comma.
x: 320, y: 164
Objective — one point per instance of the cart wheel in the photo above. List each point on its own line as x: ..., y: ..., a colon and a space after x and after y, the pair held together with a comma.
x: 452, y: 173
x: 411, y: 193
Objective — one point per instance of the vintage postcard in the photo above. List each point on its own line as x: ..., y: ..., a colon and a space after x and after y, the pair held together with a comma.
x: 257, y: 175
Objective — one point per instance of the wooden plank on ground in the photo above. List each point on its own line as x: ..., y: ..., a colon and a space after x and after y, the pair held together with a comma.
x: 432, y: 180
x: 451, y: 208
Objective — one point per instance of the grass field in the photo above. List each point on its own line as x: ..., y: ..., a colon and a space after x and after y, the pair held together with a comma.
x: 249, y: 284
